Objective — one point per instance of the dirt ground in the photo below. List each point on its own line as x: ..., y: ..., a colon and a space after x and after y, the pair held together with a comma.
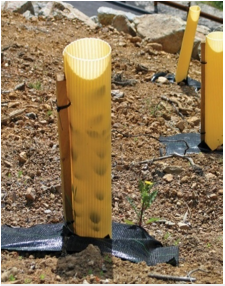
x: 30, y: 190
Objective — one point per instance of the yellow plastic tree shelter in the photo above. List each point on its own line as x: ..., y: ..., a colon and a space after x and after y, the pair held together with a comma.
x: 187, y: 44
x: 214, y: 90
x: 87, y: 65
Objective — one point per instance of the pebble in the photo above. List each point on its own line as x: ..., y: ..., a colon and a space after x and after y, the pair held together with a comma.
x: 183, y: 225
x: 20, y: 86
x: 85, y: 281
x: 180, y: 125
x: 8, y: 164
x: 47, y: 211
x: 31, y: 115
x: 210, y: 176
x: 220, y: 192
x: 58, y: 278
x: 173, y: 170
x: 22, y: 157
x: 168, y: 178
x: 162, y: 79
x: 184, y: 179
x: 213, y: 197
x: 30, y: 194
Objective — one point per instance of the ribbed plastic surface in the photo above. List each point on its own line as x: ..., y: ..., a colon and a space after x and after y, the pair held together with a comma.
x: 88, y: 77
x: 187, y: 43
x: 214, y: 90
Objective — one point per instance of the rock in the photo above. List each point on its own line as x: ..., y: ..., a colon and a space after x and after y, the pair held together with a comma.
x: 31, y: 115
x: 184, y: 179
x: 163, y: 29
x: 13, y: 104
x: 213, y: 196
x: 8, y: 164
x: 121, y: 23
x: 20, y: 86
x: 47, y: 211
x: 180, y: 194
x: 135, y: 39
x: 168, y: 178
x: 166, y: 116
x: 106, y: 15
x: 116, y: 94
x: 155, y: 46
x: 210, y: 176
x: 19, y: 6
x: 173, y: 170
x: 162, y: 79
x: 85, y: 281
x: 47, y: 9
x: 181, y: 125
x: 30, y: 194
x: 22, y: 157
x: 220, y: 192
x: 183, y: 225
x: 195, y: 121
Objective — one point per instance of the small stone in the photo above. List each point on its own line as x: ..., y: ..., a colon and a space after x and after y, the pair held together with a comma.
x: 31, y: 115
x: 180, y: 125
x: 117, y: 94
x: 162, y: 79
x: 173, y: 170
x: 46, y: 106
x: 168, y: 178
x: 179, y: 194
x: 22, y: 157
x: 183, y: 225
x: 47, y: 211
x: 8, y: 164
x: 20, y: 86
x: 85, y: 281
x: 210, y: 176
x: 184, y: 179
x: 58, y: 278
x: 220, y: 192
x: 91, y: 263
x: 30, y: 194
x: 135, y: 39
x: 122, y: 44
x: 13, y: 104
x: 169, y: 223
x: 194, y: 121
x: 213, y: 197
x: 166, y: 116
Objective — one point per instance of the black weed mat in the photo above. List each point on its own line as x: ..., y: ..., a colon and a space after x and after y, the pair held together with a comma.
x: 131, y: 243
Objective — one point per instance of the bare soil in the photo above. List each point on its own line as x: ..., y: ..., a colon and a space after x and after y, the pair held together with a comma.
x: 31, y: 57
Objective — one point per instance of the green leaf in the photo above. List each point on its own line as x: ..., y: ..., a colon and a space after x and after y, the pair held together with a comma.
x: 153, y: 219
x: 129, y: 222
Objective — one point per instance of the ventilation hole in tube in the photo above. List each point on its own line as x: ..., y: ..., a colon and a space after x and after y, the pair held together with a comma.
x: 94, y: 217
x: 100, y: 170
x: 100, y: 195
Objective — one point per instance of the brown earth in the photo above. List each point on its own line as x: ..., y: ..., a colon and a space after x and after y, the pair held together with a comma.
x: 32, y: 54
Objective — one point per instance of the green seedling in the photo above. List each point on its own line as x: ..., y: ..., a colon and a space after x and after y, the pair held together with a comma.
x: 147, y: 198
x: 176, y: 242
x: 108, y: 259
x: 166, y: 236
x: 49, y: 112
x: 12, y: 278
x: 42, y: 277
x: 209, y: 245
x: 90, y: 271
x: 20, y: 173
x: 27, y: 281
x: 36, y: 85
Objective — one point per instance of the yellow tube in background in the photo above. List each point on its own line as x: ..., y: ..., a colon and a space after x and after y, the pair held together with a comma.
x: 214, y: 90
x: 187, y: 44
x: 87, y: 65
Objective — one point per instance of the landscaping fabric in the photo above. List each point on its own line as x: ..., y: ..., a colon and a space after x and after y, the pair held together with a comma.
x: 128, y: 242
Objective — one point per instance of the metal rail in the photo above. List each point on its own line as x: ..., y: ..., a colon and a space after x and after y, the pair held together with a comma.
x: 168, y: 3
x: 186, y: 8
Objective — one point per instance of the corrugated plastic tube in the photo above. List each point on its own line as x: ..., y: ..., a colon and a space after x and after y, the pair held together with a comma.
x: 187, y: 44
x: 87, y: 64
x: 214, y: 90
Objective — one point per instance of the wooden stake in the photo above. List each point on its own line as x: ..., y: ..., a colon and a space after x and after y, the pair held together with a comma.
x: 65, y: 148
x: 203, y: 91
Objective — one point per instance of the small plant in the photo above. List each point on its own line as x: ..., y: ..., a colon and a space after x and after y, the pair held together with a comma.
x: 36, y: 85
x: 49, y: 112
x: 166, y: 236
x: 209, y: 245
x: 147, y: 198
x: 108, y: 259
x: 27, y: 281
x: 176, y: 242
x: 20, y: 173
x: 42, y: 277
x: 12, y: 278
x: 90, y: 271
x: 9, y: 175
